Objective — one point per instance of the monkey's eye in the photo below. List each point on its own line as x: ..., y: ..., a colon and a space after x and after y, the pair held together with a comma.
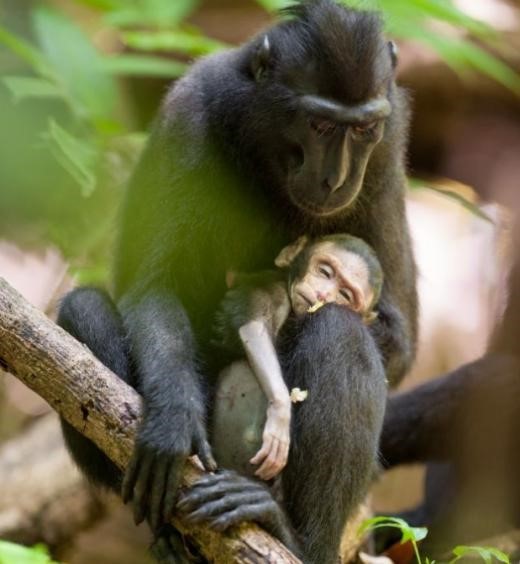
x: 323, y: 127
x: 361, y: 129
x: 347, y: 294
x: 326, y: 271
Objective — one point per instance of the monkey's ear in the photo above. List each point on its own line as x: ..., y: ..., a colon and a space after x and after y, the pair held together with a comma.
x: 261, y: 59
x: 289, y: 253
x: 394, y: 53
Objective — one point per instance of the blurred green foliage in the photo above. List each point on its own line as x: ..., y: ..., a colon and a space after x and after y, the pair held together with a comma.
x: 11, y: 553
x: 414, y: 535
x: 69, y: 103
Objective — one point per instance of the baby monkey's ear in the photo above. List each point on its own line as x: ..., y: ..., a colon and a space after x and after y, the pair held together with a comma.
x: 289, y: 253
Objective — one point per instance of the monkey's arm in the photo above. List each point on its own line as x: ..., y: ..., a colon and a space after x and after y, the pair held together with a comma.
x: 173, y: 425
x: 264, y: 362
x: 261, y: 296
x: 252, y: 313
x: 393, y: 342
x: 395, y: 329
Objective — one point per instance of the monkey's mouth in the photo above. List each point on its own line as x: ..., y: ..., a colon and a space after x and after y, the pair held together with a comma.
x: 321, y: 210
x: 309, y: 301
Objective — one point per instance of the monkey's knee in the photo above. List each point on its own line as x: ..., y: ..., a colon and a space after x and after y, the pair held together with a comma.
x: 90, y: 316
x: 81, y: 307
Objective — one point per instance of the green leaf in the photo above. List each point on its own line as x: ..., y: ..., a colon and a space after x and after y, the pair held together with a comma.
x: 417, y: 184
x: 156, y: 13
x: 22, y: 87
x: 485, y: 552
x: 77, y: 157
x: 442, y: 10
x: 104, y: 5
x: 76, y: 62
x: 97, y: 275
x: 11, y: 553
x: 462, y: 54
x: 275, y: 5
x: 142, y: 65
x: 26, y: 52
x: 409, y: 533
x: 412, y: 19
x: 190, y: 43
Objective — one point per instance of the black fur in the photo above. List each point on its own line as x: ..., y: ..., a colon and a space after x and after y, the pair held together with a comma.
x: 335, y: 431
x: 210, y: 195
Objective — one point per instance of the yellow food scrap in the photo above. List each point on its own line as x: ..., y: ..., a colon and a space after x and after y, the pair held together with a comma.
x: 298, y: 395
x: 316, y: 306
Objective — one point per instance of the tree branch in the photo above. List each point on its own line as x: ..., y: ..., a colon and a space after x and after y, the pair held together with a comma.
x: 106, y: 410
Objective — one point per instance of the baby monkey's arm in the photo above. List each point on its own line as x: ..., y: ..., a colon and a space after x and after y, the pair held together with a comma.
x: 269, y: 308
x: 263, y: 359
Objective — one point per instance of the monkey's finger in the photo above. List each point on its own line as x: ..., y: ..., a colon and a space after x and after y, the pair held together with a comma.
x: 157, y: 491
x: 169, y: 548
x: 203, y: 450
x: 263, y: 452
x: 279, y: 462
x: 214, y: 486
x: 172, y: 485
x: 285, y: 452
x: 268, y: 468
x: 132, y: 471
x: 228, y: 502
x: 247, y: 512
x: 141, y: 488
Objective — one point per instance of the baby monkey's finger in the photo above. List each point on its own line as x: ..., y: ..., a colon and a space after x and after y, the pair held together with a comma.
x: 263, y: 452
x: 269, y: 467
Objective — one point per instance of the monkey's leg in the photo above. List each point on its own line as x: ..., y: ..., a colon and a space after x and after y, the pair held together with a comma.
x: 335, y: 431
x: 467, y: 419
x: 90, y: 316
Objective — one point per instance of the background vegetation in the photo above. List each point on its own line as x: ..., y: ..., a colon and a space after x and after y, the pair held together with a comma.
x: 72, y: 116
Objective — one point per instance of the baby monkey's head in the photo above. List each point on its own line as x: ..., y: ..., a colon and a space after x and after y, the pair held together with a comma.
x: 339, y: 269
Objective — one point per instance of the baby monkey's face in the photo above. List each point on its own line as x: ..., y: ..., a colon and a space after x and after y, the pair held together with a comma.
x: 332, y: 275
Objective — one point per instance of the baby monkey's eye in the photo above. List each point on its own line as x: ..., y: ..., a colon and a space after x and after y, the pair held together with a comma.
x: 326, y: 271
x: 347, y: 294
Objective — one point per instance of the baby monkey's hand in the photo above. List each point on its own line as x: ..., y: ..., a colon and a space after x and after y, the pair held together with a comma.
x: 272, y: 457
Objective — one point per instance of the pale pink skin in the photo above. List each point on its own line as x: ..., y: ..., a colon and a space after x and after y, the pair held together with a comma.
x: 334, y: 275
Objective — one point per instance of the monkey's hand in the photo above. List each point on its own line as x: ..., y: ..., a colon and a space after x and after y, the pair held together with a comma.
x: 225, y: 499
x: 275, y: 441
x: 391, y: 333
x: 153, y: 476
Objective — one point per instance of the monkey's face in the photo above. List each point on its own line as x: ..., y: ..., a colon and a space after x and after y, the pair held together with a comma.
x: 330, y: 150
x: 322, y: 102
x: 332, y: 275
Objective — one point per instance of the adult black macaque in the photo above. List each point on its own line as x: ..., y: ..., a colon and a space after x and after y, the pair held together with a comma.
x: 300, y: 131
x: 465, y: 425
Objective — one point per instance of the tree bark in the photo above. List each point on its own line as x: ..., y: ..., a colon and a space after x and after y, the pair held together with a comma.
x: 107, y: 411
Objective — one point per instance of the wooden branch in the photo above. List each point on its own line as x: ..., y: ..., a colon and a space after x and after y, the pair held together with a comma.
x: 104, y: 409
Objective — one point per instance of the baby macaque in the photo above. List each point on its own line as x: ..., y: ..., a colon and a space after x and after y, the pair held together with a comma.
x: 339, y: 269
